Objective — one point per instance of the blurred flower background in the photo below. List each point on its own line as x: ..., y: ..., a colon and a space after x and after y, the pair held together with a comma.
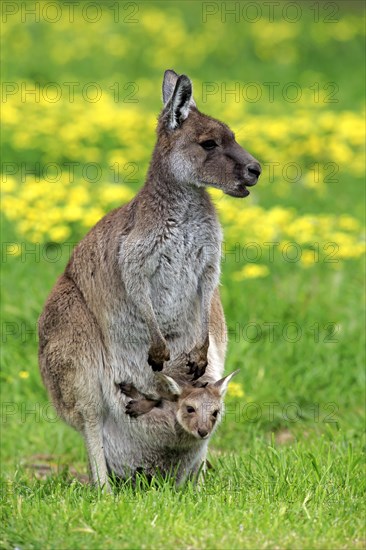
x: 80, y: 105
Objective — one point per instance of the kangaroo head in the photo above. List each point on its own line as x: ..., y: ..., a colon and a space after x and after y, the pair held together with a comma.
x: 198, y: 409
x: 198, y: 149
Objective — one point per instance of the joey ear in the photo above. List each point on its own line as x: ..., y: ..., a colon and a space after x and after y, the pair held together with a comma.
x: 222, y: 384
x: 168, y: 385
x: 180, y: 103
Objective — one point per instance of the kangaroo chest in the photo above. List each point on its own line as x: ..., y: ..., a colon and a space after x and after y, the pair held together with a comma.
x: 188, y: 249
x: 186, y: 265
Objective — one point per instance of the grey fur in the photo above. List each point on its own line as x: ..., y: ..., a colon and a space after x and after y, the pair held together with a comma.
x: 141, y: 290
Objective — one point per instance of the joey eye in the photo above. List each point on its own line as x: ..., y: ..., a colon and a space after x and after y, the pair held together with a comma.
x: 215, y: 413
x: 208, y: 145
x: 191, y: 410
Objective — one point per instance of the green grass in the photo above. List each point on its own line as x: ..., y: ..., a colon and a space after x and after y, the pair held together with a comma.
x: 289, y: 455
x: 267, y: 498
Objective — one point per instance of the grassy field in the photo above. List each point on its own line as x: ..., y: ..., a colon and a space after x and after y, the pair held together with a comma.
x: 288, y: 458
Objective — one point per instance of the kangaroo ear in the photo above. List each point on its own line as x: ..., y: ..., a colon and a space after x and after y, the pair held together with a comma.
x: 169, y: 82
x: 168, y: 385
x: 180, y: 103
x: 222, y: 384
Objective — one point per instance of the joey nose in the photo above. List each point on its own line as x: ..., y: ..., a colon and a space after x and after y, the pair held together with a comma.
x: 253, y: 171
x: 202, y: 433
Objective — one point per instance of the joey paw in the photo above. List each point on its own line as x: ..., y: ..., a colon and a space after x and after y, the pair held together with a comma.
x: 132, y: 409
x: 127, y: 389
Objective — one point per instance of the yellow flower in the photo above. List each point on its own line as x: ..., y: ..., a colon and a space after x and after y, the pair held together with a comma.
x: 302, y: 229
x: 59, y: 233
x: 24, y: 374
x: 92, y: 216
x: 73, y: 213
x: 348, y: 223
x: 115, y: 194
x: 8, y: 184
x: 235, y: 390
x: 79, y: 195
x: 308, y: 258
x: 251, y: 271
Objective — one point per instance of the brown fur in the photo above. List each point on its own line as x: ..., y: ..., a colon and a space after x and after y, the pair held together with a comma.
x: 141, y: 289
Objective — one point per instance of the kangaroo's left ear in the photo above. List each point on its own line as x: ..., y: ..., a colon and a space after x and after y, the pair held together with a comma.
x: 180, y: 103
x: 222, y: 384
x: 169, y: 82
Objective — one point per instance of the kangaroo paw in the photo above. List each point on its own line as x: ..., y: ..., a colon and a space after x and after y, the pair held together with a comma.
x: 133, y: 409
x: 157, y: 356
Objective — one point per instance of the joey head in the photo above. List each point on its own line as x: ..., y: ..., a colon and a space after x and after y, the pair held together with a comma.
x: 198, y: 410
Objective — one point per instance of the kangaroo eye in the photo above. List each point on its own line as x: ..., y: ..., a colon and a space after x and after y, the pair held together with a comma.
x: 191, y: 410
x: 215, y: 413
x: 209, y: 144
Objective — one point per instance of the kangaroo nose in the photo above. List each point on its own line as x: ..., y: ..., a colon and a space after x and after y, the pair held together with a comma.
x: 253, y: 171
x: 202, y: 433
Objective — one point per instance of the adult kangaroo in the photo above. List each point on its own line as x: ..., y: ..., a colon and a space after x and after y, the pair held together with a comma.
x: 140, y: 293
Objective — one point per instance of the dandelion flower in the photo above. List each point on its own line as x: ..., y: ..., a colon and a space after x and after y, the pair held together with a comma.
x: 235, y: 390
